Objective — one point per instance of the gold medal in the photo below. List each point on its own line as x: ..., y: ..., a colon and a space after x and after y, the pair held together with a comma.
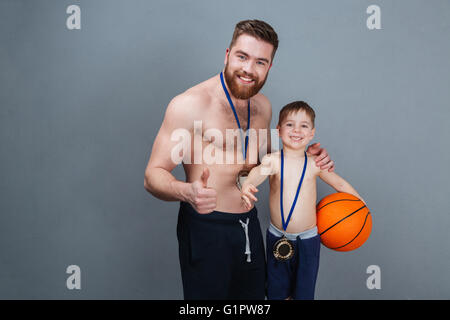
x: 242, y: 175
x: 283, y: 249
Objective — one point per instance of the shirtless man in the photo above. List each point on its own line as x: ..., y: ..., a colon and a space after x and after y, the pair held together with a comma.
x: 221, y: 247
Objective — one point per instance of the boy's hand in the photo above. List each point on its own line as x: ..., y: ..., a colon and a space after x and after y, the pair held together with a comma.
x: 248, y: 195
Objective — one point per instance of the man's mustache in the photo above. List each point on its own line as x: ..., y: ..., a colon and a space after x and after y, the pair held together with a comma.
x: 247, y: 75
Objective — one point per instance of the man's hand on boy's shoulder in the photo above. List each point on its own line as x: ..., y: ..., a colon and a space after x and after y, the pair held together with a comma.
x: 322, y: 158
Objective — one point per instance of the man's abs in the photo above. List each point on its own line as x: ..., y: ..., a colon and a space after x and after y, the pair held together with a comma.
x: 222, y: 178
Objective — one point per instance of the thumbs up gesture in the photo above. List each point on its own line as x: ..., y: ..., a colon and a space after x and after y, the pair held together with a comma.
x: 202, y: 198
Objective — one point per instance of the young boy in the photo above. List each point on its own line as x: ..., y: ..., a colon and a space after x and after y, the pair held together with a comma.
x: 293, y: 244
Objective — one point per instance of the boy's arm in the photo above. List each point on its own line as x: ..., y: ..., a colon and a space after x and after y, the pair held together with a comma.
x: 260, y: 173
x: 255, y: 177
x: 338, y: 183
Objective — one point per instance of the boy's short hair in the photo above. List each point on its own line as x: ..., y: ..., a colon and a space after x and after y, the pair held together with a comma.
x: 295, y: 107
x: 258, y: 29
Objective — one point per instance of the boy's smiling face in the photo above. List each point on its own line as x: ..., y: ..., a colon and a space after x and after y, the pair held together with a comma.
x: 297, y: 130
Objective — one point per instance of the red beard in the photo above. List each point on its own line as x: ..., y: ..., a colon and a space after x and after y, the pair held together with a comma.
x: 241, y: 91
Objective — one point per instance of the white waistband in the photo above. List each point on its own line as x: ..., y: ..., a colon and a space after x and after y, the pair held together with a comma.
x: 293, y: 236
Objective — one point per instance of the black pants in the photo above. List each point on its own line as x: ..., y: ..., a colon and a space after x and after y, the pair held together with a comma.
x: 213, y: 261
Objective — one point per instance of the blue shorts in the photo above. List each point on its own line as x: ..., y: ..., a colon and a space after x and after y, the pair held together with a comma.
x: 296, y: 277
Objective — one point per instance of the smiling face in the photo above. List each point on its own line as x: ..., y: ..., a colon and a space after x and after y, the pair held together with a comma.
x: 296, y: 130
x: 247, y: 65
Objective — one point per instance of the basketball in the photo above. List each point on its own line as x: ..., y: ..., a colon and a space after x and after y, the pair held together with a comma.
x: 344, y: 223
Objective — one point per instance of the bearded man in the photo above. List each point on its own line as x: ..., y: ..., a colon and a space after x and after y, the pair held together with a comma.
x: 221, y: 247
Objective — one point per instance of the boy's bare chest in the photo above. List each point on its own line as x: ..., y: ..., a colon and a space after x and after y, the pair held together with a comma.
x: 291, y: 179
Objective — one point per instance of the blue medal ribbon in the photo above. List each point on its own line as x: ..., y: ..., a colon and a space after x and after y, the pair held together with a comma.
x: 285, y: 224
x: 244, y: 149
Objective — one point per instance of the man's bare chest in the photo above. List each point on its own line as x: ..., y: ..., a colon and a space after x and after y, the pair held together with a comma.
x: 220, y: 126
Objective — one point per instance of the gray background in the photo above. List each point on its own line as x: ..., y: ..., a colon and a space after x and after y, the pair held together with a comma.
x: 80, y: 110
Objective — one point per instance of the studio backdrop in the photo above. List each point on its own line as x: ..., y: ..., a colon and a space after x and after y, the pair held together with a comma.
x: 84, y: 86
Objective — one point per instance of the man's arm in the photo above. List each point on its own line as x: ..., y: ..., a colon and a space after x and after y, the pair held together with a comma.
x: 180, y: 116
x: 158, y: 179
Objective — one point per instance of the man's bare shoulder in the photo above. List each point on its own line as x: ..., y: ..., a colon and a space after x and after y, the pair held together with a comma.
x: 188, y: 105
x: 264, y: 105
x: 190, y: 101
x: 262, y: 99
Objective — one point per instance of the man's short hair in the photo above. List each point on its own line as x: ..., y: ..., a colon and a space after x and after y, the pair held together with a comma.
x: 256, y: 28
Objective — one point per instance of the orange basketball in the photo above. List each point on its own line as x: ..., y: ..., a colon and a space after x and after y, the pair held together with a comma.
x: 343, y: 221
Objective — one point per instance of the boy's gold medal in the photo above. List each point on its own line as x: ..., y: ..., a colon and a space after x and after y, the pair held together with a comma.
x: 283, y: 249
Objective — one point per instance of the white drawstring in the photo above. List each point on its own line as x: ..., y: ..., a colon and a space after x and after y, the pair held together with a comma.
x: 247, y: 240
